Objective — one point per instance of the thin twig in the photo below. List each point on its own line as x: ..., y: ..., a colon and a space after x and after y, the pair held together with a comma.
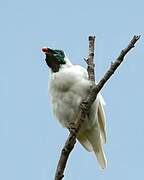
x: 85, y: 105
x: 90, y: 62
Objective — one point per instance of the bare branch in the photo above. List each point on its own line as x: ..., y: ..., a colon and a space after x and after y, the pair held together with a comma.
x: 90, y: 63
x: 86, y: 103
x: 96, y: 88
x: 117, y: 62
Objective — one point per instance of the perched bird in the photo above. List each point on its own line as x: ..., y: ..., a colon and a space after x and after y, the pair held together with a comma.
x: 68, y: 85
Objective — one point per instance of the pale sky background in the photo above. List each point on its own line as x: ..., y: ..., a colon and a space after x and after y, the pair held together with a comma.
x: 30, y: 137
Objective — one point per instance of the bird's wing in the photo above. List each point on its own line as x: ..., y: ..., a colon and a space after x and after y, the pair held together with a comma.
x: 99, y: 107
x: 102, y: 118
x: 84, y: 142
x: 93, y: 136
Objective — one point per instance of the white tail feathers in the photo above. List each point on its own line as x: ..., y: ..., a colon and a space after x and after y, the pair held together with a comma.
x: 84, y: 142
x: 94, y: 138
x: 101, y: 158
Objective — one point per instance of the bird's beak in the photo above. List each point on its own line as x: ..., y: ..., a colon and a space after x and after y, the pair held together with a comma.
x: 45, y: 49
x: 48, y: 51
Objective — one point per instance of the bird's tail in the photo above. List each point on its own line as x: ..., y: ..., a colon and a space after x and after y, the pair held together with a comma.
x: 101, y: 157
x: 94, y: 138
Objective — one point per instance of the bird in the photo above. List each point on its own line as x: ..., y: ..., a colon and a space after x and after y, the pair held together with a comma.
x: 68, y: 85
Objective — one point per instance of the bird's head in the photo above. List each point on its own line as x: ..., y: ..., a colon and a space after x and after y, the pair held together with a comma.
x: 54, y: 58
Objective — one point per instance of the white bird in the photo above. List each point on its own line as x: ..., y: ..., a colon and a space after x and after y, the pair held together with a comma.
x: 68, y: 85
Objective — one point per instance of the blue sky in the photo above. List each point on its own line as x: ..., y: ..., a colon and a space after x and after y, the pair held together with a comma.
x: 30, y: 137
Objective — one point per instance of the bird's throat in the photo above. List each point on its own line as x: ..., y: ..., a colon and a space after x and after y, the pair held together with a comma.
x: 55, y: 68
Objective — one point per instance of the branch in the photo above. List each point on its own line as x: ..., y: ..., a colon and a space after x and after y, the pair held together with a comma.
x: 96, y: 88
x: 86, y: 103
x: 89, y: 61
